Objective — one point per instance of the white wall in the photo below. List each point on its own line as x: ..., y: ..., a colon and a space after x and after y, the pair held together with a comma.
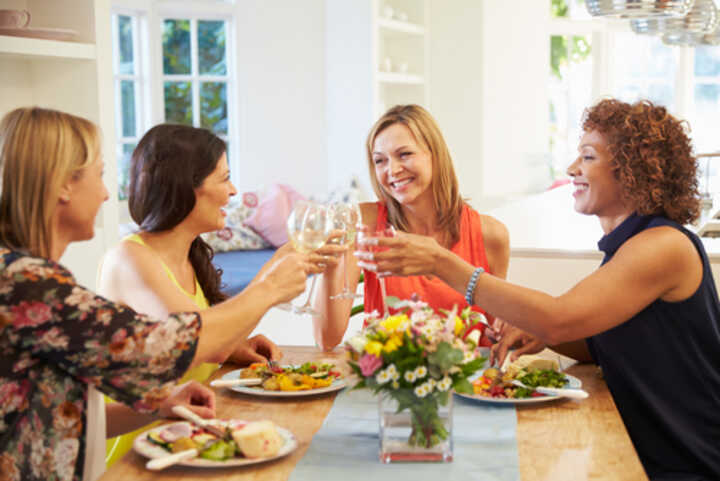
x: 514, y: 55
x: 281, y: 73
x: 456, y: 86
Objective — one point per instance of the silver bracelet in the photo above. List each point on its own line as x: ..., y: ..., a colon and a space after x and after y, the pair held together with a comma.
x: 471, y: 285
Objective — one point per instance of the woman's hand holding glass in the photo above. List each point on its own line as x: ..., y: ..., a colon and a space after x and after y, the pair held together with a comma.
x: 403, y: 254
x: 308, y: 229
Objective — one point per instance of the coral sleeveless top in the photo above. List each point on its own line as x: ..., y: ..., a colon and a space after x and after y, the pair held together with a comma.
x: 435, y: 292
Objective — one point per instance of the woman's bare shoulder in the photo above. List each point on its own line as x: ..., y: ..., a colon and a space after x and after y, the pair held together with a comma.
x: 495, y: 233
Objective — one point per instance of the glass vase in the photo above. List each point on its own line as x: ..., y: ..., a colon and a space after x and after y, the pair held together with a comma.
x: 414, y: 429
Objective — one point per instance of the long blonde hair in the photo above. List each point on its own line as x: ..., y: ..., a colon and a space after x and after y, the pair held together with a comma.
x: 40, y: 150
x: 447, y: 200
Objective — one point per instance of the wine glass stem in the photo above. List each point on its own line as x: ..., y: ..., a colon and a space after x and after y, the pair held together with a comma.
x: 345, y: 273
x: 310, y: 295
x: 383, y: 292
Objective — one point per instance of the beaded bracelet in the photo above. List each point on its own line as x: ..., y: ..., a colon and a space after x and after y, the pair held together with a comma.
x: 471, y: 285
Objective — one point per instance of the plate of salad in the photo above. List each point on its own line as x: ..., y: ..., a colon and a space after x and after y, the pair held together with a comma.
x: 213, y: 449
x: 495, y: 386
x: 289, y: 381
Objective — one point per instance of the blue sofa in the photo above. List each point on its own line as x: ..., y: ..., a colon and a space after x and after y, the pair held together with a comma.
x: 240, y: 267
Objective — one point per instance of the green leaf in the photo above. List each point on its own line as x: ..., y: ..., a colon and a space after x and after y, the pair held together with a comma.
x: 471, y: 367
x: 462, y: 385
x: 445, y: 356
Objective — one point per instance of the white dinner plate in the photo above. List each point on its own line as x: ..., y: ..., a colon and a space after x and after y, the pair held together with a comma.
x: 573, y: 383
x: 336, y: 385
x: 150, y: 450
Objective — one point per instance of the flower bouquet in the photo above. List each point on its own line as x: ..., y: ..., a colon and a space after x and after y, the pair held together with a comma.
x: 414, y: 359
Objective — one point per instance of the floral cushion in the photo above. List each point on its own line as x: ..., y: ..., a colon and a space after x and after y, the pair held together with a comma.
x: 236, y: 236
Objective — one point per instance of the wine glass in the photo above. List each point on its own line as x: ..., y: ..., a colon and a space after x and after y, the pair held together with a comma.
x: 308, y: 229
x: 344, y: 217
x: 385, y: 230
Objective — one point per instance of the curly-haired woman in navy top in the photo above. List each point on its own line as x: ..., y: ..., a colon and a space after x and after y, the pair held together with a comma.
x: 649, y: 316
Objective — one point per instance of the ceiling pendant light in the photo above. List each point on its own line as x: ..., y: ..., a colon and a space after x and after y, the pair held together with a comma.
x: 689, y: 31
x: 639, y: 8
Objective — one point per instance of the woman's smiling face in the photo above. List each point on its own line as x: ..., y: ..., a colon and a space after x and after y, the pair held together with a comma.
x: 402, y: 166
x: 597, y: 189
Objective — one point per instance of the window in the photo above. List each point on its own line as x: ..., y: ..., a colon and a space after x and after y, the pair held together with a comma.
x: 195, y: 73
x: 644, y: 68
x: 570, y: 82
x: 129, y: 92
x: 170, y: 67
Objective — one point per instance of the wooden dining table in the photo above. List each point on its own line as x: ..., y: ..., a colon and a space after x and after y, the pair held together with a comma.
x: 557, y: 440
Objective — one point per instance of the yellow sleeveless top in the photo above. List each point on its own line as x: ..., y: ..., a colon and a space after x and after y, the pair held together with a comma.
x: 118, y: 446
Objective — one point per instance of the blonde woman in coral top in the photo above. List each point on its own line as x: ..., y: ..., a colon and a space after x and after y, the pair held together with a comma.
x: 413, y: 177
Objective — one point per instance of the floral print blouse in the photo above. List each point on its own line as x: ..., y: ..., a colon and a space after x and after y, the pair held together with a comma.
x: 56, y: 338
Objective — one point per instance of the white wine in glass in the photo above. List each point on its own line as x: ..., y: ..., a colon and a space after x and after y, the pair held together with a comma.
x: 308, y: 229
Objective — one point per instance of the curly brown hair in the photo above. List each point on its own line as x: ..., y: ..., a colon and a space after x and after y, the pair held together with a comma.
x: 651, y: 155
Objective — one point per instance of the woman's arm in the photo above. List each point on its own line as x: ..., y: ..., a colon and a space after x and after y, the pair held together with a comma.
x: 497, y: 245
x: 133, y: 275
x: 329, y: 328
x: 120, y: 419
x: 659, y: 263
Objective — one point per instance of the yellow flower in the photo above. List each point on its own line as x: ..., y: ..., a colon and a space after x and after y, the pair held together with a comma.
x: 373, y: 347
x: 393, y: 343
x: 392, y: 323
x: 459, y: 326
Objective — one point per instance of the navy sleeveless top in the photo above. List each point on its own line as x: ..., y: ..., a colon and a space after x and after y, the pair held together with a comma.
x: 663, y: 369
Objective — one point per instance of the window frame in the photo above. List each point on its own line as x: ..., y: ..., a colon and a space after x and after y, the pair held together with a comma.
x: 148, y: 56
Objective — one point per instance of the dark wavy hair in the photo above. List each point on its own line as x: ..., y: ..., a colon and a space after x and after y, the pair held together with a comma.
x: 168, y: 164
x: 652, y: 157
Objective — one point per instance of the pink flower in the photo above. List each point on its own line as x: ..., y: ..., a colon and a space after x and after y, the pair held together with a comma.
x: 31, y: 314
x: 369, y: 364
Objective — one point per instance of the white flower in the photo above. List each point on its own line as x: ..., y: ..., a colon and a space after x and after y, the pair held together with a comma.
x: 474, y: 336
x: 469, y: 356
x: 358, y: 343
x: 445, y: 384
x: 432, y: 383
x: 453, y: 370
x: 420, y: 372
x: 395, y: 376
x: 391, y: 370
x: 395, y: 384
x: 382, y: 377
x: 409, y: 376
x: 422, y: 390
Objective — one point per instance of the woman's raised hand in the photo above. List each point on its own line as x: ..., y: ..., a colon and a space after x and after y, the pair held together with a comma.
x: 286, y: 274
x: 402, y: 255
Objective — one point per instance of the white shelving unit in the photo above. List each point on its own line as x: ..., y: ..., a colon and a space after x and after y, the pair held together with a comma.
x: 363, y: 39
x: 400, y: 46
x: 75, y: 77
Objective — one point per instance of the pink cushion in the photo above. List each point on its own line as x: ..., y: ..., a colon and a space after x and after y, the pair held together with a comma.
x: 272, y: 212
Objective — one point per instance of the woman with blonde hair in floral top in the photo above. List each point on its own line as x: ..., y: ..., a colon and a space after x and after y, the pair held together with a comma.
x: 59, y: 342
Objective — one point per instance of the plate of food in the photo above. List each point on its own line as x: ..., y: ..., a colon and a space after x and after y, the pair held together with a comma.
x: 286, y: 381
x: 520, y: 382
x: 224, y: 444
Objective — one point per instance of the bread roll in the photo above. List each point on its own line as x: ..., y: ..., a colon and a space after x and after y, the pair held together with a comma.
x: 530, y: 363
x: 259, y: 439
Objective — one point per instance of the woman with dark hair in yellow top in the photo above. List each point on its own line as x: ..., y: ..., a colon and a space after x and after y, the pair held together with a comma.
x: 179, y: 184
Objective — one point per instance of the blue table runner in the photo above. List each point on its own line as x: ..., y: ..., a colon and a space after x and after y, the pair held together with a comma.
x: 346, y: 446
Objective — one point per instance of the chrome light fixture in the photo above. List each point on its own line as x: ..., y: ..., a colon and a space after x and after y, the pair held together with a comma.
x: 712, y: 38
x: 639, y: 8
x: 688, y: 31
x: 647, y: 26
